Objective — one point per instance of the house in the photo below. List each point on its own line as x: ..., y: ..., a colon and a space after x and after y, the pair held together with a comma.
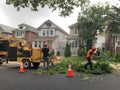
x: 100, y: 42
x: 6, y: 30
x: 74, y: 39
x: 53, y: 35
x: 25, y: 32
x: 112, y: 37
x: 112, y: 41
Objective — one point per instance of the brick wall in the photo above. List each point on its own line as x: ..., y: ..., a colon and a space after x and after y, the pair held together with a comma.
x: 29, y: 36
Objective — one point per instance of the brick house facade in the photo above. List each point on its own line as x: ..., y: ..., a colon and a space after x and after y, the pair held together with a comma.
x: 112, y: 42
x: 25, y: 32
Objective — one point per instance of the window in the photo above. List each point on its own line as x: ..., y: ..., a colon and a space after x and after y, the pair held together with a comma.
x: 72, y: 44
x: 76, y: 43
x: 39, y: 44
x: 44, y: 33
x: 39, y: 33
x: 118, y: 40
x: 21, y: 27
x: 76, y: 31
x: 51, y: 32
x: 20, y: 33
x: 47, y: 32
x: 48, y: 24
x: 35, y: 43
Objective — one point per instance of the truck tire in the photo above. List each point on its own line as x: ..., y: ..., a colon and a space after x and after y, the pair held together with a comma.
x: 26, y: 64
x: 35, y: 64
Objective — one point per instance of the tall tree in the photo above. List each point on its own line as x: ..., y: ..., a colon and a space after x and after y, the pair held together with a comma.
x: 67, y: 52
x: 114, y: 23
x: 64, y: 6
x: 91, y: 19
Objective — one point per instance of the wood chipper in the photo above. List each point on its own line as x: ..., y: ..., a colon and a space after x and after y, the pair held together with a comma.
x: 18, y: 50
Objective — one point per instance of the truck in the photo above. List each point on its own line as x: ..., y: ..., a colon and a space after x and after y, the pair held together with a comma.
x: 12, y: 49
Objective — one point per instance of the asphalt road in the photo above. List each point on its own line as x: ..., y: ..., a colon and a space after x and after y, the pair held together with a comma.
x: 11, y: 79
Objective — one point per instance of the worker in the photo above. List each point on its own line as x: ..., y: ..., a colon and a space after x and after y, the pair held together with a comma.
x: 90, y: 54
x: 45, y: 51
x: 98, y: 51
x: 52, y: 56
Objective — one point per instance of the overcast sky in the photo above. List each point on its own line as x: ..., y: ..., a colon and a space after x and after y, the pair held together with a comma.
x: 11, y: 17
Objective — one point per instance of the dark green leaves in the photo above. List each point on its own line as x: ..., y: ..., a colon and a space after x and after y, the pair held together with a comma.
x: 91, y: 19
x: 64, y: 6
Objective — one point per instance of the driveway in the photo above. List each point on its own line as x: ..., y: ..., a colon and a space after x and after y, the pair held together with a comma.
x: 11, y: 79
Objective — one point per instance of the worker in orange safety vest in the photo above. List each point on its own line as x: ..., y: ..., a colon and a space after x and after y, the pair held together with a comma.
x: 90, y: 54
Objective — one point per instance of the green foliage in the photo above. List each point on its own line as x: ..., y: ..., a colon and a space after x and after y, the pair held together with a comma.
x: 81, y: 51
x: 67, y: 52
x: 64, y: 6
x: 91, y: 19
x: 117, y: 57
x: 114, y: 27
x: 108, y: 57
x: 42, y: 71
x: 105, y: 56
x: 100, y: 67
x: 114, y: 22
x: 104, y: 67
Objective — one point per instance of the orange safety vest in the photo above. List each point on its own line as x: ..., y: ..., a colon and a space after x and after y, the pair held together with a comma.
x: 89, y: 55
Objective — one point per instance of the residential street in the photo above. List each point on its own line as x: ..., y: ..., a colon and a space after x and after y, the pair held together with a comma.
x: 11, y: 79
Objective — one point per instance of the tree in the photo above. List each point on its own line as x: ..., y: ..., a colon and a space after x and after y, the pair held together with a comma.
x: 67, y: 52
x: 81, y: 51
x: 115, y: 15
x: 91, y: 19
x: 114, y: 23
x: 64, y: 6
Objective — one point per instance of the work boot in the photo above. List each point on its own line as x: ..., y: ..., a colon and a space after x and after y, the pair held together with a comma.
x: 85, y: 67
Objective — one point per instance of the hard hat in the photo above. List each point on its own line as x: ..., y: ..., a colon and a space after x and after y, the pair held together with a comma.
x: 45, y: 44
x: 94, y: 48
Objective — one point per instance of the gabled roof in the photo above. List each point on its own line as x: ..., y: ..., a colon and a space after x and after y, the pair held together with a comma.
x: 73, y: 25
x: 6, y: 29
x: 74, y: 38
x: 29, y: 28
x: 56, y: 26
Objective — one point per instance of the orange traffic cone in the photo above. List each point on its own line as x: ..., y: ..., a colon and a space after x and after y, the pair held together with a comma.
x: 21, y: 70
x: 70, y: 74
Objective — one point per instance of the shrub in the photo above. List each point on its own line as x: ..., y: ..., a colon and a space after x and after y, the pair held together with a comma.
x: 105, y: 56
x: 81, y: 51
x: 117, y: 57
x: 67, y: 52
x: 103, y: 66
